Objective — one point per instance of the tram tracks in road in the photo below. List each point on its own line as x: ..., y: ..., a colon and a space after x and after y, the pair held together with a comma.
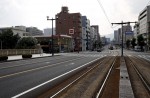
x: 139, y: 74
x: 85, y: 82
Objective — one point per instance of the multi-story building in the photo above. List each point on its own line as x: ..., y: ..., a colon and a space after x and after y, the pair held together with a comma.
x: 144, y: 24
x: 116, y: 37
x: 96, y: 35
x: 48, y: 32
x: 93, y: 37
x: 136, y: 30
x: 119, y: 36
x: 126, y: 33
x: 66, y: 22
x: 34, y: 31
x: 20, y: 30
x: 86, y: 34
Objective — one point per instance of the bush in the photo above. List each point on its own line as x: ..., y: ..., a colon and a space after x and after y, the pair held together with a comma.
x: 3, y: 58
x: 26, y: 55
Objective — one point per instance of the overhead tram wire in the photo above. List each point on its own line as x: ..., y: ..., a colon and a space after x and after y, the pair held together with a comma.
x: 100, y: 4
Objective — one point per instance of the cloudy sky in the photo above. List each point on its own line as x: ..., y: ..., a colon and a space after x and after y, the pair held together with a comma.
x: 34, y: 12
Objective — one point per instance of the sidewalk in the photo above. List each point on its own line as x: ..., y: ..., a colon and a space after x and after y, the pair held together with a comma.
x: 19, y: 57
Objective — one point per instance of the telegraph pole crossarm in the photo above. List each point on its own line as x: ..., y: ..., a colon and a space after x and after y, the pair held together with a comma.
x: 121, y: 23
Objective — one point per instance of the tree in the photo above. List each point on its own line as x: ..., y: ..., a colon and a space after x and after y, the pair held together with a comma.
x: 133, y: 42
x: 27, y: 43
x: 140, y: 40
x: 9, y: 40
x: 128, y: 43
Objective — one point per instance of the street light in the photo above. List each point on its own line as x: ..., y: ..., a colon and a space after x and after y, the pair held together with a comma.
x: 52, y: 34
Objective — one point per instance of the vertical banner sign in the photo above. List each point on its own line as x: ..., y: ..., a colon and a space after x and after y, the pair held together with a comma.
x: 71, y: 31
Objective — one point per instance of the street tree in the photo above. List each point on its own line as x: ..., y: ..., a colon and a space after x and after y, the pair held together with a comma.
x: 27, y: 43
x: 133, y: 42
x: 128, y: 43
x: 140, y: 41
x: 8, y: 39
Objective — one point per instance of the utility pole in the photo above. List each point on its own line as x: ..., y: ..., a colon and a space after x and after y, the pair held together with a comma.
x: 52, y: 35
x: 121, y: 23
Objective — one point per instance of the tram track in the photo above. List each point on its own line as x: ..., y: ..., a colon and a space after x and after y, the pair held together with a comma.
x: 86, y: 83
x: 139, y: 76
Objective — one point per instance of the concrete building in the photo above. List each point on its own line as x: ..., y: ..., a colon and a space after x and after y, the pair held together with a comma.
x: 116, y: 37
x: 70, y: 24
x: 144, y: 24
x: 20, y: 30
x: 97, y: 34
x: 136, y: 30
x: 34, y: 31
x: 48, y: 31
x: 93, y: 36
x: 86, y: 38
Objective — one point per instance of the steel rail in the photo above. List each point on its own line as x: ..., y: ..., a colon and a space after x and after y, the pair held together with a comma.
x: 107, y: 76
x: 144, y: 81
x: 64, y: 88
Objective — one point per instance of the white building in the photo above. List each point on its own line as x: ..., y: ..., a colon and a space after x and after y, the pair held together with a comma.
x: 20, y: 30
x: 144, y: 23
x: 48, y: 31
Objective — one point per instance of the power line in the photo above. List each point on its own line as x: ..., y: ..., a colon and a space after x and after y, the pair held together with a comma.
x: 104, y: 12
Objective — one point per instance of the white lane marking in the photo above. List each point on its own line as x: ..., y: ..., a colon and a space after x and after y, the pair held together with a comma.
x: 70, y: 64
x: 29, y: 90
x: 47, y: 62
x: 38, y: 68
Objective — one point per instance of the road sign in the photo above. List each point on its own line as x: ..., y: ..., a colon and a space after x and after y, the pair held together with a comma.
x: 71, y: 31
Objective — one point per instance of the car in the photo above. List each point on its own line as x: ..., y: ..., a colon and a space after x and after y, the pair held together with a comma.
x: 111, y: 48
x: 99, y: 50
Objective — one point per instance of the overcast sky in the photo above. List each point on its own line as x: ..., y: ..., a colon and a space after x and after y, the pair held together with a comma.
x: 34, y: 12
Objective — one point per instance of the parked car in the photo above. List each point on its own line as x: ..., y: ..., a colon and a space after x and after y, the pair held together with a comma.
x: 99, y: 50
x: 111, y: 48
x: 137, y: 48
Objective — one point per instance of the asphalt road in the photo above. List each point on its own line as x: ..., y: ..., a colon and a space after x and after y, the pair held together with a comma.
x: 28, y: 78
x: 24, y: 75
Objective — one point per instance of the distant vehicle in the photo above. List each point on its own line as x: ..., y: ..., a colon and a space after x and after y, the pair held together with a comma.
x: 137, y: 48
x: 111, y: 48
x: 99, y: 50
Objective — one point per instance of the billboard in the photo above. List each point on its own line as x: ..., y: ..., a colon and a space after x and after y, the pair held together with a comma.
x: 129, y: 33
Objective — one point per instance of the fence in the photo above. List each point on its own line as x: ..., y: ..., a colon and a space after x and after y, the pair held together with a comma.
x: 8, y: 52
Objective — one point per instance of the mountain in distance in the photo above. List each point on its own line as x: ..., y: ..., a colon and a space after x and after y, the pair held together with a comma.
x: 111, y: 36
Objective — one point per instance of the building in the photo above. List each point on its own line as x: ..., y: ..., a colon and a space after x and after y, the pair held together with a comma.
x: 144, y: 24
x: 70, y: 24
x: 48, y: 31
x: 20, y: 30
x: 93, y: 36
x: 97, y: 34
x: 34, y: 31
x: 116, y: 37
x: 86, y: 38
x: 136, y: 30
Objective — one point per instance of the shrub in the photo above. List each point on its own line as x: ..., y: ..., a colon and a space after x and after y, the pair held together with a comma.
x: 3, y: 58
x: 26, y: 55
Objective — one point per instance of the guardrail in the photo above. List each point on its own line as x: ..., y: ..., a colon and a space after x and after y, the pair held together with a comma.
x: 8, y: 52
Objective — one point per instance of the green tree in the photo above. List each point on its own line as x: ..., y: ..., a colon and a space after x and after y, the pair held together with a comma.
x: 128, y: 43
x: 140, y: 41
x: 27, y: 43
x: 133, y: 42
x: 9, y: 40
